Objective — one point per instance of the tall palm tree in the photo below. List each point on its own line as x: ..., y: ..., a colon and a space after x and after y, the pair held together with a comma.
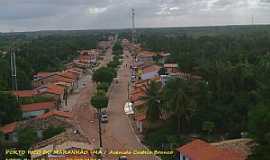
x: 153, y: 101
x: 177, y: 95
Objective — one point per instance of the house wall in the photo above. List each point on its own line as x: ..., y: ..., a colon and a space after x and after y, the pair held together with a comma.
x: 139, y: 125
x: 183, y: 157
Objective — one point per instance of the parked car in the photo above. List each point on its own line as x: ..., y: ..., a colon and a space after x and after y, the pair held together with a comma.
x: 104, y: 118
x: 122, y: 158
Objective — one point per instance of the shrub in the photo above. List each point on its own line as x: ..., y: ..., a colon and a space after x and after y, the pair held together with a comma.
x: 27, y: 137
x: 103, y: 86
x: 52, y: 131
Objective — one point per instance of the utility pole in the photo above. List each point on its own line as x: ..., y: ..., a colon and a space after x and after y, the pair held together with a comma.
x: 99, y: 127
x: 133, y: 25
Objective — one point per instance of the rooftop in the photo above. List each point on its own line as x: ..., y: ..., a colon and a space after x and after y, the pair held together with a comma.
x: 140, y: 117
x: 37, y: 106
x: 151, y: 68
x: 68, y: 136
x: 44, y: 74
x: 9, y: 128
x: 55, y: 113
x: 55, y: 89
x: 170, y: 65
x: 201, y: 150
x: 25, y: 93
x: 147, y: 54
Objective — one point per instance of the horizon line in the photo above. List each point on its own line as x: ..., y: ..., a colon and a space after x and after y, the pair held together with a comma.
x: 129, y: 28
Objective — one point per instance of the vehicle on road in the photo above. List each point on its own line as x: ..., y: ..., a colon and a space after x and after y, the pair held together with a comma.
x: 122, y: 158
x: 128, y: 108
x: 104, y: 117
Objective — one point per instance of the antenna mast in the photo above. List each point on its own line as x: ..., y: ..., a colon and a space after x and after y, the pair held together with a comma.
x: 133, y: 26
x: 13, y: 68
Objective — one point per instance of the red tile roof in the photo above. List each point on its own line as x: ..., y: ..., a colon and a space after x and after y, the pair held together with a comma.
x: 170, y: 65
x: 9, y: 128
x: 69, y: 75
x: 152, y: 68
x: 25, y: 93
x: 146, y: 81
x: 55, y: 89
x: 138, y: 103
x: 73, y: 71
x: 59, y: 78
x: 200, y: 150
x: 44, y: 74
x: 137, y: 95
x: 55, y: 113
x: 147, y: 54
x: 37, y: 106
x: 140, y: 117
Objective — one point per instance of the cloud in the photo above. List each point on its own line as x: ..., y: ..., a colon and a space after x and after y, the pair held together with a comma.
x: 95, y: 11
x: 24, y: 15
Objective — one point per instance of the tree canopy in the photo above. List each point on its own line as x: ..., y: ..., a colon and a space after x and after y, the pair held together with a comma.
x: 9, y: 109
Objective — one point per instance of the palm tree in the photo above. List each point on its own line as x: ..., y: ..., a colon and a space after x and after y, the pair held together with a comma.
x: 177, y: 95
x: 153, y: 101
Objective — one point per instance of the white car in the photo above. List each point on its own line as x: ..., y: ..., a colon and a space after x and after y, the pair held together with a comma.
x: 128, y: 108
x: 104, y: 118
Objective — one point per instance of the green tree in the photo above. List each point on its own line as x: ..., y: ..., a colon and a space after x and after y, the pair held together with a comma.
x: 9, y: 109
x: 208, y: 127
x: 259, y: 126
x: 103, y: 86
x: 153, y: 101
x: 27, y: 137
x: 103, y: 74
x: 179, y: 101
x: 99, y: 101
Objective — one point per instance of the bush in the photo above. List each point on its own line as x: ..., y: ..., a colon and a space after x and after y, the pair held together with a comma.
x: 27, y: 137
x: 52, y: 131
x: 103, y: 86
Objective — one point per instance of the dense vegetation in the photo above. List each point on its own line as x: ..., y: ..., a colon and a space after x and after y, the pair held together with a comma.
x: 48, y: 53
x: 233, y: 96
x: 9, y: 109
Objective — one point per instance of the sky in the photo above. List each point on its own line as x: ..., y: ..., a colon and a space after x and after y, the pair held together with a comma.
x: 34, y: 15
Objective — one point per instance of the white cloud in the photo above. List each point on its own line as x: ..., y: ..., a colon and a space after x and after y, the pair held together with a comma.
x: 95, y: 11
x: 24, y: 15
